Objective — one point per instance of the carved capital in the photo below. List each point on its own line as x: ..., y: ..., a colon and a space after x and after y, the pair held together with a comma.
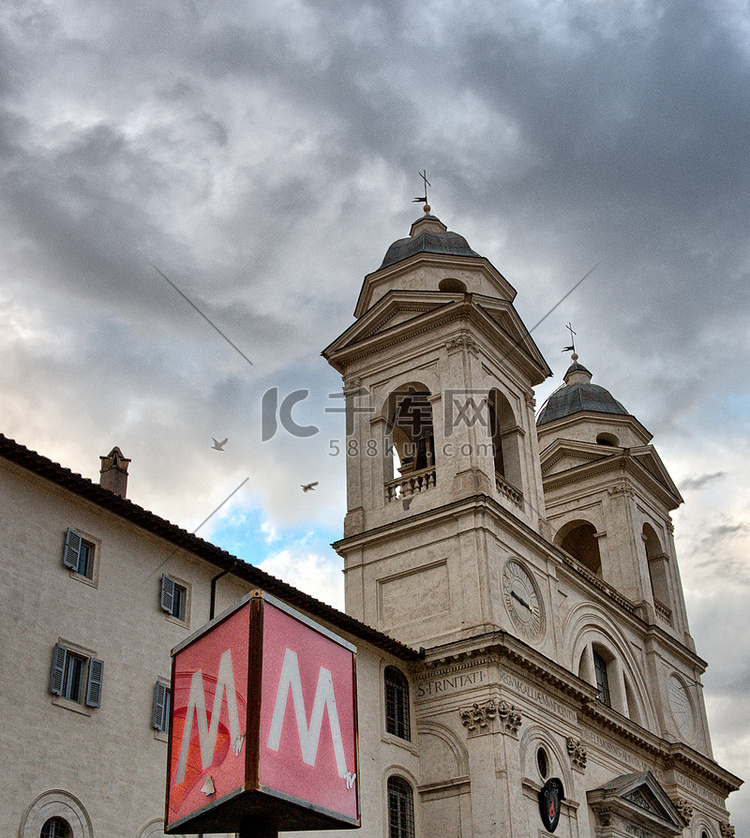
x: 621, y: 490
x: 726, y: 829
x: 510, y: 716
x: 477, y: 718
x: 530, y: 401
x: 684, y: 808
x: 577, y: 753
x: 462, y: 341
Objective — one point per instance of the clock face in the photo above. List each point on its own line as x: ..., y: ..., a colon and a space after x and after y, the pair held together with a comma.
x: 682, y: 709
x: 522, y: 601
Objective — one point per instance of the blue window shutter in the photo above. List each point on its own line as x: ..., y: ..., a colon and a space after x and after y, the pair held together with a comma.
x: 167, y: 594
x: 59, y: 656
x: 160, y: 720
x: 94, y: 688
x: 72, y: 549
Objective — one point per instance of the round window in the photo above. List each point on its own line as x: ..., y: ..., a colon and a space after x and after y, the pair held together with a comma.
x: 542, y: 763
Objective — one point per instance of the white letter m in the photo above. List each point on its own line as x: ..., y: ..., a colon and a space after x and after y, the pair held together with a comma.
x: 308, y: 736
x: 197, y: 707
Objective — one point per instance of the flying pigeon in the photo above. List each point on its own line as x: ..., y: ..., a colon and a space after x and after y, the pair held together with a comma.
x: 308, y: 487
x: 219, y: 446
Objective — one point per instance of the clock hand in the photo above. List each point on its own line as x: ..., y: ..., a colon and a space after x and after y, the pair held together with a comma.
x: 522, y: 601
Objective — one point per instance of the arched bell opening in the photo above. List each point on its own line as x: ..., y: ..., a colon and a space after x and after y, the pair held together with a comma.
x: 658, y: 571
x: 579, y: 539
x: 506, y: 445
x: 412, y: 438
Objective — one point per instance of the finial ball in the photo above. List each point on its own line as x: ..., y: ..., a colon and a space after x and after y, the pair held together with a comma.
x: 427, y: 209
x: 574, y: 357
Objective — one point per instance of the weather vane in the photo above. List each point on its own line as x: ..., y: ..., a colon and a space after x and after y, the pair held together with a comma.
x: 572, y: 347
x: 423, y: 175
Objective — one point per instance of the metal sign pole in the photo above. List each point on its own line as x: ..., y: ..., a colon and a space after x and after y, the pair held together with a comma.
x: 258, y: 827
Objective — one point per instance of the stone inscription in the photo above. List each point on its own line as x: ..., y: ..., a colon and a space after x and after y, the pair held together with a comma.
x: 624, y: 756
x: 701, y: 791
x: 438, y: 686
x: 537, y: 696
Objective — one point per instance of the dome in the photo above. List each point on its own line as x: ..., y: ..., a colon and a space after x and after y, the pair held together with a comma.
x: 428, y: 235
x: 578, y: 395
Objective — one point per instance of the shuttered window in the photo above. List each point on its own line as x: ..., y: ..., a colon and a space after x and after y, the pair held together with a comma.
x: 78, y: 554
x: 173, y: 597
x: 76, y: 677
x: 94, y: 689
x: 162, y: 699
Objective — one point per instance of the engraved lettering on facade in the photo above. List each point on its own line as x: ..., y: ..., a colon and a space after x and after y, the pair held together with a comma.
x: 449, y: 683
x: 537, y: 696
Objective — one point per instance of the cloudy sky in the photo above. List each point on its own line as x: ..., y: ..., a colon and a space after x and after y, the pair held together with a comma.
x: 263, y: 155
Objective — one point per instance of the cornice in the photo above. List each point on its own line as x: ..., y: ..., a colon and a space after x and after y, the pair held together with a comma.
x: 501, y: 647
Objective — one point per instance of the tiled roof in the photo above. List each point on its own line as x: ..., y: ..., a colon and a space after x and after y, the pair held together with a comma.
x: 140, y: 517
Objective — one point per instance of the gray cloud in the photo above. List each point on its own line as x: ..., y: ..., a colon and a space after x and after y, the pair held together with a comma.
x: 264, y: 157
x: 701, y: 480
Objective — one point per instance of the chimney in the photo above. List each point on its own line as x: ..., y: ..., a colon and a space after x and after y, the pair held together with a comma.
x: 113, y: 474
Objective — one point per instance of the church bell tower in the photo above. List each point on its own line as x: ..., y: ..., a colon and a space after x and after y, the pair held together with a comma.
x: 438, y: 374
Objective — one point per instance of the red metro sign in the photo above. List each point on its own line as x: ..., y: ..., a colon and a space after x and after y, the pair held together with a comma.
x: 263, y: 724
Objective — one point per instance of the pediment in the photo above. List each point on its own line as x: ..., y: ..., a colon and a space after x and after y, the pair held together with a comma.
x: 393, y: 314
x: 650, y: 460
x: 565, y: 454
x: 393, y: 310
x: 635, y: 804
x: 504, y: 317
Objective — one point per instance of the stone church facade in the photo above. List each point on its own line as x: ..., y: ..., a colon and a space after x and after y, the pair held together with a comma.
x: 524, y: 663
x: 533, y: 562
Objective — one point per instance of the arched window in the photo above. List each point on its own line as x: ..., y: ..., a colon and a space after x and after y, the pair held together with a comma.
x: 412, y: 434
x: 579, y: 539
x: 400, y: 809
x: 397, y: 703
x: 412, y: 431
x: 601, y: 675
x: 542, y: 762
x: 56, y: 828
x: 606, y: 670
x: 505, y: 432
x: 56, y: 814
x: 607, y: 439
x: 658, y: 571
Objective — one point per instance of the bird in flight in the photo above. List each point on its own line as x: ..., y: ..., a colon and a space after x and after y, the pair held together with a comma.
x: 309, y: 487
x: 219, y: 446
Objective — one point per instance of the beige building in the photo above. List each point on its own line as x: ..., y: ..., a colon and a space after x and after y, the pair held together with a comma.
x: 524, y: 660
